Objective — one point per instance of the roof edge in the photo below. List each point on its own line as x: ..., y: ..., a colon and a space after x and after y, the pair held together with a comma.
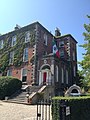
x: 66, y: 35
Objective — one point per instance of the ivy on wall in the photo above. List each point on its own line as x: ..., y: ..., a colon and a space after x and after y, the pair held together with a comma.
x: 18, y: 50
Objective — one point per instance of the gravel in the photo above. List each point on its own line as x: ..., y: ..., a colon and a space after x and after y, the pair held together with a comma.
x: 13, y: 111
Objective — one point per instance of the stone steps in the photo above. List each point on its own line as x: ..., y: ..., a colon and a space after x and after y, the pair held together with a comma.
x: 21, y: 96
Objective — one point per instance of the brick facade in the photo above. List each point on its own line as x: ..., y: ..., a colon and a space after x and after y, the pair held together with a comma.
x: 42, y: 66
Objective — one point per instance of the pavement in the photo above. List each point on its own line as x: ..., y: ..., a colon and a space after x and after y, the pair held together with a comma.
x: 13, y: 111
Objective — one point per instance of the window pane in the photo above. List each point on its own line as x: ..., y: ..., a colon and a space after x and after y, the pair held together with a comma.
x: 61, y: 44
x: 9, y: 73
x: 61, y: 53
x: 27, y: 36
x: 73, y: 55
x: 11, y: 57
x: 13, y: 41
x: 45, y: 39
x: 25, y: 56
x: 24, y: 78
x: 24, y: 72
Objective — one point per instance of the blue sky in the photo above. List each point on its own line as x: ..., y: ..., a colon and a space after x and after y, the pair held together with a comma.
x: 68, y: 15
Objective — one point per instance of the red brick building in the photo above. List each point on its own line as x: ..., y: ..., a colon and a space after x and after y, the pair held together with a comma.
x: 26, y: 53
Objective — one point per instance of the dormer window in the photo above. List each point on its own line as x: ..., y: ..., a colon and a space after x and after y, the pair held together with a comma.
x: 13, y: 41
x: 1, y: 44
x: 27, y: 36
x: 45, y: 39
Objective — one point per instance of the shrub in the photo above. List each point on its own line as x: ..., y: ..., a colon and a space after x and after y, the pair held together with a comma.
x: 8, y: 86
x: 79, y: 107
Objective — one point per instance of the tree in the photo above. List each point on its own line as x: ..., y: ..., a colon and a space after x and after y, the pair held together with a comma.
x: 8, y: 86
x: 85, y: 63
x: 80, y: 78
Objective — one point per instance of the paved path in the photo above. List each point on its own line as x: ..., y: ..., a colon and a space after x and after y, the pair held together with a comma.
x: 12, y: 111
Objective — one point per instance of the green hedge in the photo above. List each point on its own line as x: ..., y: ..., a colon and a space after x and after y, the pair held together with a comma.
x: 8, y: 86
x: 79, y: 107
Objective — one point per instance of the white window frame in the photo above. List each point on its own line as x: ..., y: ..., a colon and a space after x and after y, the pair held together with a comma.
x: 62, y: 78
x: 27, y: 36
x: 13, y: 41
x: 61, y: 44
x: 11, y: 57
x: 9, y: 72
x: 1, y: 44
x: 22, y: 73
x: 45, y: 39
x: 25, y: 55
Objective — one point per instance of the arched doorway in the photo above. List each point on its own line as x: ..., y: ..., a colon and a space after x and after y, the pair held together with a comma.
x: 45, y: 75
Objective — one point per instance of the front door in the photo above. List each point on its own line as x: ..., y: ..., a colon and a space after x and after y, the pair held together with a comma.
x: 44, y: 77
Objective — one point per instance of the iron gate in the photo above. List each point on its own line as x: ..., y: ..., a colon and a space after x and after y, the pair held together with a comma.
x: 44, y: 110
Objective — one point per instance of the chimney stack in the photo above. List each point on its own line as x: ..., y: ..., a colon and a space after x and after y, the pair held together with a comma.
x: 57, y: 32
x: 17, y: 27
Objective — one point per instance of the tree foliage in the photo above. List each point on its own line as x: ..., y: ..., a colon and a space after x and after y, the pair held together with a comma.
x: 80, y: 78
x: 85, y: 63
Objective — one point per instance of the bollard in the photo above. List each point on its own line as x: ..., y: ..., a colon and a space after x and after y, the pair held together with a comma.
x: 27, y: 98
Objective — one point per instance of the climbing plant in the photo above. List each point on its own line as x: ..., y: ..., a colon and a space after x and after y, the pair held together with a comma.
x: 18, y: 50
